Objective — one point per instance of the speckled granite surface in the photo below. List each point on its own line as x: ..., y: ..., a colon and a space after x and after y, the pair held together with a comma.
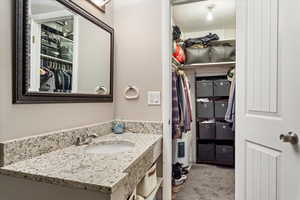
x: 146, y: 127
x: 25, y: 148
x: 74, y: 167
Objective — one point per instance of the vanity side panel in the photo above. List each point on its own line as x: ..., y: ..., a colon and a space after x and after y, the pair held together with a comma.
x: 14, y: 189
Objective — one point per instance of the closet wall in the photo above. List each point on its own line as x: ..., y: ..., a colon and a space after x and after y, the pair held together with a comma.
x: 24, y: 120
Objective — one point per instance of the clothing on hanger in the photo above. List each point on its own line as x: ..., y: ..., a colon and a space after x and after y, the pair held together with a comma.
x: 54, y: 77
x: 47, y: 81
x: 230, y: 113
x: 188, y: 94
x: 176, y: 132
x: 181, y: 104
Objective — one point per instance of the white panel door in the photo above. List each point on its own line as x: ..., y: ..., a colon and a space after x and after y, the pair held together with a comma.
x: 268, y: 99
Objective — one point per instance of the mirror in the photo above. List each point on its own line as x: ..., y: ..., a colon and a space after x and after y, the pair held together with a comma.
x: 64, y: 54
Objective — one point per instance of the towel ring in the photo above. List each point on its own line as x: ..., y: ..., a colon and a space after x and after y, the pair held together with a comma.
x: 133, y: 88
x: 101, y: 90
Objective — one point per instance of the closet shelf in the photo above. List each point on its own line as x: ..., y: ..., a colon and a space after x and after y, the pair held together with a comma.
x: 231, y: 41
x: 57, y: 59
x: 56, y: 32
x: 196, y: 65
x: 46, y: 45
x: 153, y: 194
x: 67, y: 39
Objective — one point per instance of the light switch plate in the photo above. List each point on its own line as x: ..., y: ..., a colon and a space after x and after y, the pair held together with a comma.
x: 154, y: 98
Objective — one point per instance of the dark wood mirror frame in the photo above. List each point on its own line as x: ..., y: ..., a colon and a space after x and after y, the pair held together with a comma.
x: 22, y: 60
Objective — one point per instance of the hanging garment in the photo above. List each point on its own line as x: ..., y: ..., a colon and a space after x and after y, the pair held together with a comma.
x: 70, y: 86
x: 175, y: 108
x: 67, y: 81
x: 230, y: 113
x: 188, y: 94
x: 181, y: 104
x: 54, y: 77
x: 47, y: 82
x: 186, y: 104
x: 59, y: 80
x: 61, y: 73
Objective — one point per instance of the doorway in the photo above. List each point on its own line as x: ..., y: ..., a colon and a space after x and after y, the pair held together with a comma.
x: 267, y: 144
x: 203, y: 99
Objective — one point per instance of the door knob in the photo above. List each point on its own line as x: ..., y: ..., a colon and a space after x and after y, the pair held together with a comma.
x: 290, y: 138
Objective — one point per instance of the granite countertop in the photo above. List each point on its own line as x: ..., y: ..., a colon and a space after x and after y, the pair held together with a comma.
x: 74, y: 167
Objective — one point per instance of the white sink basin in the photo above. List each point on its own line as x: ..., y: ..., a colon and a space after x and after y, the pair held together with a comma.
x: 109, y: 147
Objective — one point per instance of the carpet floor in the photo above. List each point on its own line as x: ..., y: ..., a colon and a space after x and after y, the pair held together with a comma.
x: 208, y: 182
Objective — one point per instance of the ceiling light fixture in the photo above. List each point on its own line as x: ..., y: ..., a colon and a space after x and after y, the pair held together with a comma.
x: 100, y: 4
x: 210, y: 16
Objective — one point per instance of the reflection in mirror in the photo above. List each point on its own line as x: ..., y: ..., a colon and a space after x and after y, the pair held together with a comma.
x: 100, y: 4
x: 68, y: 53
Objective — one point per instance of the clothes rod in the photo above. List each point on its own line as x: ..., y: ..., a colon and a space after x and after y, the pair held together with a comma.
x: 181, y: 2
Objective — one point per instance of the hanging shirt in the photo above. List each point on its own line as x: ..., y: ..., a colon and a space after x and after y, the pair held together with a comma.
x: 187, y: 118
x: 230, y: 113
x: 184, y: 103
x: 188, y: 90
x: 175, y: 108
x: 47, y: 82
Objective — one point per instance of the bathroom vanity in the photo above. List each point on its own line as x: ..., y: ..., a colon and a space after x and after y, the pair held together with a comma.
x: 108, y: 168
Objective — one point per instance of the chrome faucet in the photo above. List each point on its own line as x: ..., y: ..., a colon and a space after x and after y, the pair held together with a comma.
x: 85, y: 140
x: 93, y: 135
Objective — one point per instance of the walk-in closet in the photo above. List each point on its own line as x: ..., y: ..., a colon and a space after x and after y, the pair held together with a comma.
x: 203, y: 99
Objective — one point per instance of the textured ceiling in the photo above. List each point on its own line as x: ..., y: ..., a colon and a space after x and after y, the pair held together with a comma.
x: 192, y: 17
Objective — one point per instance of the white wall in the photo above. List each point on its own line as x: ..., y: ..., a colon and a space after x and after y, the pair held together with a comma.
x: 24, y: 120
x: 138, y: 56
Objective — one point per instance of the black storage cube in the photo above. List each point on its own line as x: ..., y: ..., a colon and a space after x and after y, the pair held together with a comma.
x: 206, y: 152
x: 221, y: 108
x: 224, y: 131
x: 207, y: 131
x: 221, y: 88
x: 205, y: 109
x: 204, y: 88
x: 224, y: 153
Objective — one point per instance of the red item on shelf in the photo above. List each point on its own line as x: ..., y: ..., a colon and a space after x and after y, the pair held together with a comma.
x: 179, y: 54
